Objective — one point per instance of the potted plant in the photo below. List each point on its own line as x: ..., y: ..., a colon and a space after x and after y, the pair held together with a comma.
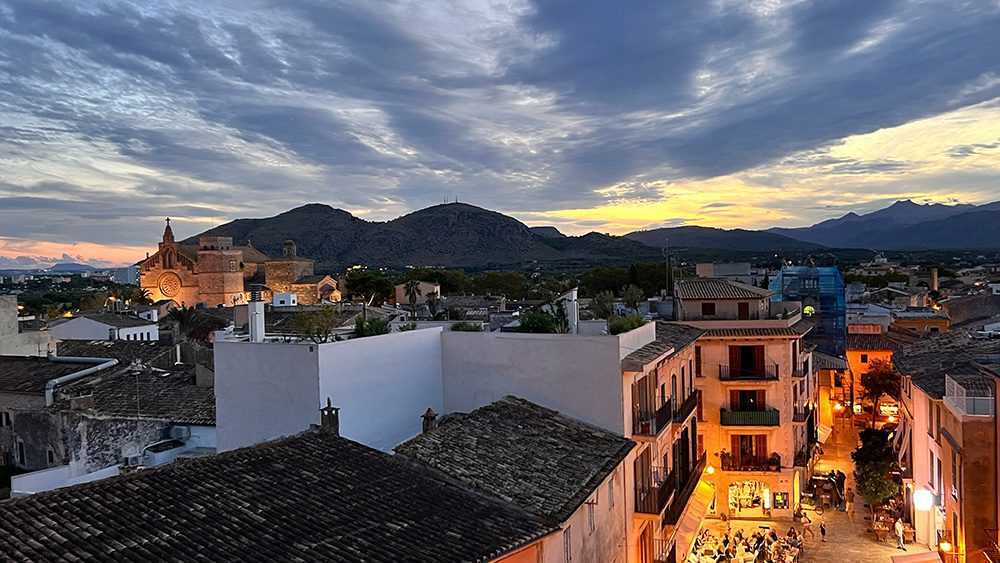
x: 725, y: 459
x: 774, y: 461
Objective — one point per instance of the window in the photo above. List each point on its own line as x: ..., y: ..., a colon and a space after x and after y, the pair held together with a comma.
x: 930, y: 418
x: 20, y: 452
x: 590, y: 514
x: 683, y: 386
x: 50, y: 456
x: 701, y: 444
x: 708, y: 309
x: 673, y: 389
x: 937, y: 422
x: 954, y: 475
x: 864, y: 358
x: 697, y: 361
x: 567, y: 546
x: 701, y: 409
x: 4, y: 419
x: 611, y: 493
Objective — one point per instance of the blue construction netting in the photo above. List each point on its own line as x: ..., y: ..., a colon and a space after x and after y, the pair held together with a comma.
x: 824, y: 290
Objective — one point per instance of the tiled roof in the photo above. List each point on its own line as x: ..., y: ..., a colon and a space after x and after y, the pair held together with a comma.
x: 871, y: 342
x: 929, y: 359
x: 524, y: 454
x: 125, y: 351
x: 798, y: 329
x: 30, y: 374
x: 311, y: 279
x: 669, y: 336
x: 713, y: 288
x: 119, y: 321
x: 826, y: 361
x: 920, y: 313
x: 311, y: 497
x: 161, y: 396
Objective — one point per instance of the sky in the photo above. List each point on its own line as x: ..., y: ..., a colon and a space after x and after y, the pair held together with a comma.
x: 603, y: 116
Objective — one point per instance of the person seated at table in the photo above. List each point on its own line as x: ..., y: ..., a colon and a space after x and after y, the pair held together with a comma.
x: 773, y: 536
x: 725, y: 541
x: 738, y: 536
x: 791, y: 532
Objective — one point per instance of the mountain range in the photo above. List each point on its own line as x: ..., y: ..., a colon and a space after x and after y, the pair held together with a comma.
x: 906, y: 225
x: 465, y: 236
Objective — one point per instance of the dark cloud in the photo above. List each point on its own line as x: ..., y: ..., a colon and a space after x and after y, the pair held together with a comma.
x: 962, y: 151
x: 208, y: 110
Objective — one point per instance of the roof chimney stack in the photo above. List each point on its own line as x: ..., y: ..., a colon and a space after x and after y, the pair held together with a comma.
x: 934, y: 279
x: 329, y: 419
x: 430, y: 420
x: 255, y: 312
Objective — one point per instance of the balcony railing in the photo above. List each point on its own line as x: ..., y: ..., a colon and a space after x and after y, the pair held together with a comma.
x: 736, y: 373
x: 684, y: 492
x: 653, y: 499
x: 686, y: 408
x: 769, y: 417
x: 803, y: 456
x: 992, y: 551
x: 800, y: 414
x: 752, y: 464
x: 645, y: 423
x: 664, y: 551
x: 801, y: 370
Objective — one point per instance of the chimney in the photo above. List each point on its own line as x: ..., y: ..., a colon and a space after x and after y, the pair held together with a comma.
x: 329, y: 421
x: 256, y: 313
x: 430, y: 420
x: 934, y: 279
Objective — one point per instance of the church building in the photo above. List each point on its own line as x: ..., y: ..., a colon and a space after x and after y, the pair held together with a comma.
x: 217, y: 273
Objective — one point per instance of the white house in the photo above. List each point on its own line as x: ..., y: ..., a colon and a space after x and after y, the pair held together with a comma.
x: 285, y: 300
x: 105, y: 326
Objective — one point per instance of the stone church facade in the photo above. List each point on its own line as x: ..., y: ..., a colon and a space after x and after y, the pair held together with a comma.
x: 215, y: 273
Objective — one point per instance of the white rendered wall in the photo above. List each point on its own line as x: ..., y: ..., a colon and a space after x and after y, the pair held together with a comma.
x: 383, y: 384
x: 81, y: 328
x: 579, y: 376
x: 148, y: 333
x: 264, y: 391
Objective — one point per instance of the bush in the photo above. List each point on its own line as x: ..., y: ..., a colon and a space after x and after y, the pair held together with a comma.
x: 625, y: 324
x: 405, y: 327
x: 467, y: 327
x: 540, y: 322
x: 371, y: 327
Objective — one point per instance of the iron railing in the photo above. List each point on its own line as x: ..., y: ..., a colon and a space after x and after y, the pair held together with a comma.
x: 645, y: 423
x: 664, y: 551
x: 652, y: 499
x: 769, y: 417
x: 684, y: 492
x: 752, y: 464
x: 687, y: 407
x: 800, y: 414
x: 801, y: 370
x: 736, y: 373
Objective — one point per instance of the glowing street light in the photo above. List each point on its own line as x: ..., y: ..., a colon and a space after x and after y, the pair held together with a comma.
x: 710, y: 470
x: 945, y: 545
x: 923, y: 500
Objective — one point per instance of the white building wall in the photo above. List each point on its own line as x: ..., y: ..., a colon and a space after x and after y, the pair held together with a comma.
x: 579, y: 376
x: 12, y: 343
x: 148, y: 333
x: 383, y: 384
x: 82, y: 328
x: 264, y: 391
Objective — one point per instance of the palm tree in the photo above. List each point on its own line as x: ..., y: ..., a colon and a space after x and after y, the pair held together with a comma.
x: 141, y: 296
x: 185, y: 319
x: 412, y: 291
x: 432, y: 303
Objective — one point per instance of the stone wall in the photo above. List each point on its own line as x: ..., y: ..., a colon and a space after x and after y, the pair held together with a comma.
x: 972, y: 308
x: 97, y: 442
x: 279, y: 275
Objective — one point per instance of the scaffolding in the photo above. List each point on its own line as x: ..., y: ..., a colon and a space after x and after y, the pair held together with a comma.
x: 823, y: 289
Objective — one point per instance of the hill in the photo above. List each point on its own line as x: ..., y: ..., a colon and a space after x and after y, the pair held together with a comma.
x: 907, y: 225
x: 708, y: 237
x: 455, y: 235
x: 71, y: 267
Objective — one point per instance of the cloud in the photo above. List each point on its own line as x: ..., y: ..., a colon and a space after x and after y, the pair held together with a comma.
x: 116, y: 114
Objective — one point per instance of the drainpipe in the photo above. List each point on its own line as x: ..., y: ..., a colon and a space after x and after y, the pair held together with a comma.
x: 102, y: 364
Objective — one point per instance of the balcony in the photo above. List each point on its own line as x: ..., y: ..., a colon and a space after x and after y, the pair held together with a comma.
x: 769, y: 417
x: 683, y: 495
x: 803, y: 456
x: 800, y: 414
x: 652, y: 500
x: 736, y: 373
x: 801, y: 370
x: 770, y: 463
x: 646, y: 423
x: 686, y: 408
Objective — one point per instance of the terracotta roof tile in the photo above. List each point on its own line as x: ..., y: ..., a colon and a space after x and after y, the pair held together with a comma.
x: 669, y: 336
x: 798, y: 329
x: 528, y: 455
x: 311, y: 497
x: 713, y: 288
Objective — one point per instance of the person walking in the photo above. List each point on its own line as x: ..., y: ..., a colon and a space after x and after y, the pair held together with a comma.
x: 822, y: 529
x: 898, y: 528
x: 849, y: 506
x: 807, y: 527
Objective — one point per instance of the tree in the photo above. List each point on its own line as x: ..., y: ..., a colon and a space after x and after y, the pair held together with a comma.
x: 510, y: 284
x: 603, y: 305
x: 412, y: 291
x: 632, y: 295
x: 540, y: 321
x: 872, y: 481
x: 370, y: 285
x: 765, y: 281
x: 432, y: 303
x: 602, y: 278
x: 317, y: 326
x: 875, y: 447
x: 370, y: 327
x: 140, y: 296
x: 880, y: 379
x: 185, y: 319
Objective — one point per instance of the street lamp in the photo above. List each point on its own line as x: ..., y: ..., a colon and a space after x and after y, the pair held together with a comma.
x: 923, y: 500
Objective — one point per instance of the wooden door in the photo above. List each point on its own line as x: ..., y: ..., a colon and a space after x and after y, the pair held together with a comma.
x: 743, y: 310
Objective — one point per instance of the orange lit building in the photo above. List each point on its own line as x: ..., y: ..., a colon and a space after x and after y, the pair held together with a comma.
x: 922, y: 319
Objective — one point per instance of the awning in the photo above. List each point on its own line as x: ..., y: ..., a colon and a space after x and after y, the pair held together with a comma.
x: 904, y: 441
x: 823, y: 433
x: 694, y: 514
x: 925, y: 557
